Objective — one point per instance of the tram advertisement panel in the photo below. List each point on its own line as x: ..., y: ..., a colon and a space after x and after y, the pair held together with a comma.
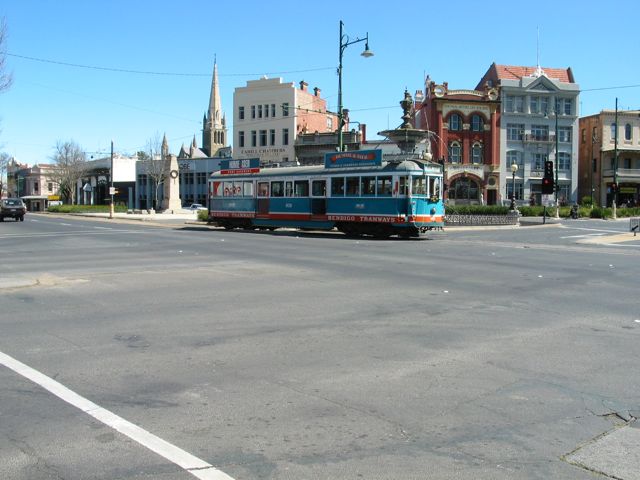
x: 242, y: 166
x: 358, y: 158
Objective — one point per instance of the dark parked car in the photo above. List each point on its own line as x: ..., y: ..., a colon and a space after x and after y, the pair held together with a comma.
x: 12, y: 208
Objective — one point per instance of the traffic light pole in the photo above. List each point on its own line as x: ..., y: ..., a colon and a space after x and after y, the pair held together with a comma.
x: 111, y: 206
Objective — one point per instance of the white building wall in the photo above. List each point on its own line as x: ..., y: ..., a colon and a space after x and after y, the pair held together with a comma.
x: 258, y: 93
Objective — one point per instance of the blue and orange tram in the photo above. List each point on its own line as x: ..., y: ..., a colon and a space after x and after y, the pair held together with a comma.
x: 357, y: 193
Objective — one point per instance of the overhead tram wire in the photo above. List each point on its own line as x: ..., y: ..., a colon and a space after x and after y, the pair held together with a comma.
x: 145, y: 72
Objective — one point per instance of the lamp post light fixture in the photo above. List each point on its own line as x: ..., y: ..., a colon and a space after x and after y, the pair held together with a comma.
x: 344, y: 43
x: 514, y: 169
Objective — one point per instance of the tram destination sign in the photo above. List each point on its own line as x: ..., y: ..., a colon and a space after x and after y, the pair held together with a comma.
x: 244, y: 165
x: 357, y: 158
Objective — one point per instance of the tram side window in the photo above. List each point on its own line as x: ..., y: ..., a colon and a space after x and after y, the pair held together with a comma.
x: 217, y: 189
x: 368, y: 186
x: 434, y: 186
x: 288, y: 189
x: 337, y: 187
x: 353, y: 186
x: 228, y: 189
x: 318, y: 188
x: 404, y: 186
x: 301, y: 188
x: 418, y: 186
x: 277, y: 189
x: 247, y: 189
x: 384, y: 186
x: 263, y: 189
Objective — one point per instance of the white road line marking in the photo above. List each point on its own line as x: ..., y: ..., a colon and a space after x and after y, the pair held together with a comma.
x: 65, y: 224
x: 195, y: 466
x: 103, y: 228
x: 585, y: 235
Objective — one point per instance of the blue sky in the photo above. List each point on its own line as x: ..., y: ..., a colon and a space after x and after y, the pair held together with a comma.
x: 454, y: 42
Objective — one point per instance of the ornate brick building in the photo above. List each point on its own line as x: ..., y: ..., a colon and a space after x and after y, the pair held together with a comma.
x: 466, y: 127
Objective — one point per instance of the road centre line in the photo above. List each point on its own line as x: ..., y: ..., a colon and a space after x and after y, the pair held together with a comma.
x: 64, y: 224
x: 193, y: 465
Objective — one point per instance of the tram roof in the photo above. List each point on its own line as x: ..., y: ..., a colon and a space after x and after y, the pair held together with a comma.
x: 387, y: 166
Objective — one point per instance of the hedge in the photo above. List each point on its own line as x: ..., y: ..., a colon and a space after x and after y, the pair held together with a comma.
x: 85, y: 208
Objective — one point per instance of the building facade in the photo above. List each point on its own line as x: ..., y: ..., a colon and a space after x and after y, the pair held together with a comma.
x: 268, y: 116
x: 33, y: 184
x: 465, y: 124
x: 610, y: 153
x: 539, y: 122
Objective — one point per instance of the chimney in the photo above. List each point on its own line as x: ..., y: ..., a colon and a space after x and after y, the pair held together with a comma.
x: 303, y: 86
x: 363, y: 133
x: 316, y: 91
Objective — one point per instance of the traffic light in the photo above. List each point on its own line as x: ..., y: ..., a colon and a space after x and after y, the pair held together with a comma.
x: 547, y: 179
x: 547, y: 186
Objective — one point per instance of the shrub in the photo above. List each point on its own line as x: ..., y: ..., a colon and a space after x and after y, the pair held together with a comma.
x: 203, y: 215
x: 85, y: 208
x: 476, y: 210
x: 586, y: 201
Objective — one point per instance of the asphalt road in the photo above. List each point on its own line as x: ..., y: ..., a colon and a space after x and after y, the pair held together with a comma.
x: 497, y: 354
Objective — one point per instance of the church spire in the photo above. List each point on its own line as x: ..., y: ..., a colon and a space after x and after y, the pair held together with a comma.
x: 165, y: 147
x: 214, y: 135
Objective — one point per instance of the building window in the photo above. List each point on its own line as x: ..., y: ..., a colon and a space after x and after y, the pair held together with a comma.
x: 241, y: 139
x: 263, y: 138
x: 50, y: 187
x: 564, y: 161
x: 455, y: 122
x: 241, y: 113
x: 35, y: 187
x: 514, y: 156
x: 613, y: 132
x: 455, y: 152
x: 285, y: 136
x: 518, y: 190
x: 254, y: 138
x: 476, y: 153
x: 534, y: 105
x: 477, y: 123
x: 544, y: 104
x: 272, y: 137
x: 259, y: 111
x: 266, y: 111
x: 584, y: 135
x: 540, y: 133
x: 273, y: 110
x: 285, y: 109
x: 329, y: 123
x: 567, y: 106
x: 627, y: 132
x: 538, y: 161
x: 515, y: 131
x: 564, y: 134
x: 514, y: 104
x: 253, y: 111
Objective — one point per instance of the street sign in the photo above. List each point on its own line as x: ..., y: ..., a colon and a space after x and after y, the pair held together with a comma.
x: 112, y: 190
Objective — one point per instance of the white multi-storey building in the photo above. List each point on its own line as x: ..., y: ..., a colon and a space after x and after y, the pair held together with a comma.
x: 539, y: 122
x: 268, y: 115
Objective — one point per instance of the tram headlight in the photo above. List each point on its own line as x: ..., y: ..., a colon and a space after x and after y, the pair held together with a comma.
x: 433, y: 210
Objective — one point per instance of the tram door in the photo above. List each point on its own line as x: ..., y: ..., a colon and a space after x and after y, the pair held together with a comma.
x: 262, y: 203
x: 318, y: 197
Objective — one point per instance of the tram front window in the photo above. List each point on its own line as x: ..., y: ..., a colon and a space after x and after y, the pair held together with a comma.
x: 418, y: 186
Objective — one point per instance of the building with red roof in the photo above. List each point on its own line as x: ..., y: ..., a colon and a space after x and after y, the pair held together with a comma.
x: 538, y: 122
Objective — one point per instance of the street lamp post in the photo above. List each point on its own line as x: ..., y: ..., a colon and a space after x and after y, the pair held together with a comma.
x: 556, y: 186
x: 615, y: 166
x: 514, y: 169
x: 344, y: 43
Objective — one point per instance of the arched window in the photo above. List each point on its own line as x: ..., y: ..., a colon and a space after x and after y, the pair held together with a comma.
x: 627, y: 131
x: 455, y: 152
x: 455, y: 122
x: 613, y: 131
x: 477, y: 123
x: 476, y: 153
x: 464, y: 191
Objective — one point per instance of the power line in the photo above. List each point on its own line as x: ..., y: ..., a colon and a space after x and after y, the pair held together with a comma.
x: 146, y: 72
